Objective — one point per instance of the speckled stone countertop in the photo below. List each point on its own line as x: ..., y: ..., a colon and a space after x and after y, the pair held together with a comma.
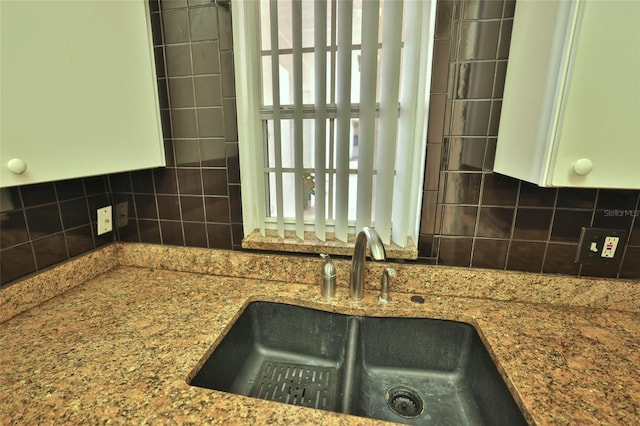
x: 119, y: 346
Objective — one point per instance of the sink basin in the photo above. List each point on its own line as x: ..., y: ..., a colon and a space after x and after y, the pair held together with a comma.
x: 406, y: 370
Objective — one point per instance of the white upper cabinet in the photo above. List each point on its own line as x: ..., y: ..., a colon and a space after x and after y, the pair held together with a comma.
x: 78, y: 90
x: 571, y: 109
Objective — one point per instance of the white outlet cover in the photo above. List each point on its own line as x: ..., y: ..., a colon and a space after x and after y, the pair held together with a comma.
x: 105, y: 220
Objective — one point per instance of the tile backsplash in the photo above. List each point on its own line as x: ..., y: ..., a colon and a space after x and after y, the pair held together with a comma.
x: 471, y: 216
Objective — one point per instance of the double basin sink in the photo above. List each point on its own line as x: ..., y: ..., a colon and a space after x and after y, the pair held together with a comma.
x: 406, y: 370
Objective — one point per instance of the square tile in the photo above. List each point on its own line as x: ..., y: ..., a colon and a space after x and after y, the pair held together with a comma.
x: 495, y: 222
x: 490, y: 254
x: 204, y: 23
x: 16, y: 262
x: 526, y: 256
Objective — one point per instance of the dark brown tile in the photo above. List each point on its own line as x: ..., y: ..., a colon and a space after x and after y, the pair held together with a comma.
x: 79, y: 240
x: 534, y: 196
x: 509, y: 8
x: 211, y: 122
x: 495, y: 222
x: 428, y: 215
x: 195, y: 234
x: 494, y: 122
x: 567, y: 225
x: 99, y: 201
x: 172, y: 4
x: 120, y: 182
x: 190, y: 181
x: 463, y: 188
x: 455, y: 251
x: 440, y: 69
x: 213, y: 152
x: 478, y: 40
x: 490, y: 254
x: 526, y: 256
x: 192, y: 208
x: 149, y: 231
x: 38, y: 194
x: 609, y: 199
x: 16, y: 262
x: 171, y: 233
x: 50, y: 250
x: 474, y: 80
x: 576, y: 198
x: 166, y: 181
x: 435, y: 130
x: 631, y: 263
x: 208, y: 90
x: 181, y: 92
x: 235, y: 203
x: 43, y: 221
x: 146, y: 206
x: 187, y: 152
x: 168, y: 207
x: 183, y: 123
x: 233, y: 162
x: 160, y: 60
x: 425, y: 245
x: 178, y: 60
x: 237, y: 232
x: 444, y: 16
x: 604, y: 271
x: 142, y: 182
x: 74, y: 213
x: 225, y: 32
x: 230, y: 120
x: 532, y: 224
x: 432, y: 166
x: 459, y: 220
x: 465, y: 153
x: 214, y: 181
x: 490, y: 155
x: 217, y: 209
x: 560, y: 259
x: 505, y: 39
x: 501, y: 73
x: 10, y: 199
x: 613, y: 219
x: 156, y: 28
x: 203, y: 23
x: 470, y: 118
x: 219, y: 236
x: 205, y: 58
x: 634, y: 237
x: 499, y: 190
x: 14, y: 228
x: 70, y: 189
x: 175, y: 26
x: 482, y: 9
x: 129, y: 232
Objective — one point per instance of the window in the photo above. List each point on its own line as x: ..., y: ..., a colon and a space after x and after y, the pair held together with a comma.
x: 332, y: 105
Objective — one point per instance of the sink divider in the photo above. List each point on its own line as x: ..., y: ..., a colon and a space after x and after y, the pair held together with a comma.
x: 349, y: 373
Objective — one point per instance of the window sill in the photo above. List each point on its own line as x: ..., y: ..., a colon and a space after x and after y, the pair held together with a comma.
x: 311, y: 244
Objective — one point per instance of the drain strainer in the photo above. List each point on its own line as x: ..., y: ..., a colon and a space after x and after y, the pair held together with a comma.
x: 296, y: 384
x: 404, y: 402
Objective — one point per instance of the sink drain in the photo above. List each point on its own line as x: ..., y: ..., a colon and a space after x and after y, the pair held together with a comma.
x: 404, y: 402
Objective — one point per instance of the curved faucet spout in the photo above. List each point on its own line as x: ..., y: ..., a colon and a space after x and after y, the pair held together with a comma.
x: 376, y: 249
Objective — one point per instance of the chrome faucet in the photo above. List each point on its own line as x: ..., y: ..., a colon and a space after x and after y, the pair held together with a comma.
x: 356, y: 282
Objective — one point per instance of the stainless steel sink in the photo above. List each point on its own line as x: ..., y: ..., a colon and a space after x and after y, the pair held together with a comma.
x: 407, y: 370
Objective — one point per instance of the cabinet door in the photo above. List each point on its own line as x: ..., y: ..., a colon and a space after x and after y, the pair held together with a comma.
x: 600, y: 113
x: 571, y: 109
x: 78, y: 90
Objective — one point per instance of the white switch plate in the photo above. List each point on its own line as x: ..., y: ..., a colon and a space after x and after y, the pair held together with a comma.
x: 609, y: 248
x: 105, y: 220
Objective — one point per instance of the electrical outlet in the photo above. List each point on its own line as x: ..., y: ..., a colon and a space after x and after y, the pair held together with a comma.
x: 105, y: 220
x: 600, y: 245
x: 122, y: 214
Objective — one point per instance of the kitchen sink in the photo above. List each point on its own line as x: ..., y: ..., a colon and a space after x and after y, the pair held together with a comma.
x: 406, y: 370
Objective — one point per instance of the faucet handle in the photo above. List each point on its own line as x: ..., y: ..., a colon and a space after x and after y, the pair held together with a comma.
x: 384, y: 287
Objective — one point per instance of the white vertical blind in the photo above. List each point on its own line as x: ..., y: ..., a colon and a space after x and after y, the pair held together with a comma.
x: 320, y: 57
x: 277, y: 137
x: 388, y: 132
x: 313, y: 70
x: 366, y: 139
x: 297, y: 115
x: 343, y: 87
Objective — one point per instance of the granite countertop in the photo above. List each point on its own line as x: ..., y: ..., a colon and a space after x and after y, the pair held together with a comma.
x: 130, y: 323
